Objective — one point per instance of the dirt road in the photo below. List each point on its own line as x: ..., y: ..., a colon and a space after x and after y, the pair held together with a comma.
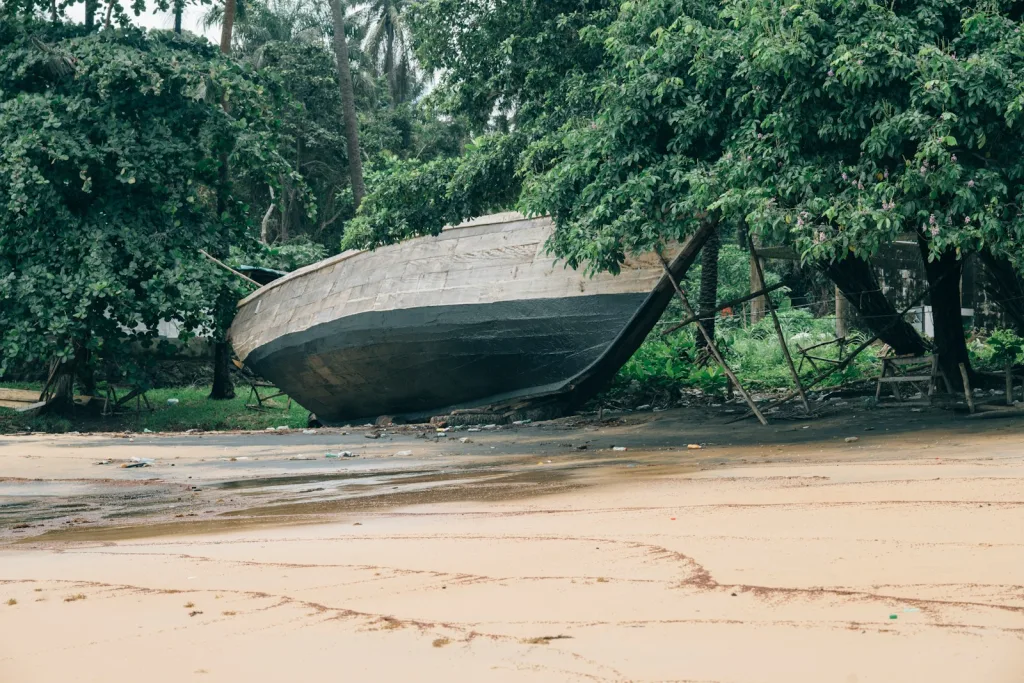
x: 786, y: 554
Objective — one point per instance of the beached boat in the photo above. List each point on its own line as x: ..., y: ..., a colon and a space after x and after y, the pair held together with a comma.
x: 477, y: 315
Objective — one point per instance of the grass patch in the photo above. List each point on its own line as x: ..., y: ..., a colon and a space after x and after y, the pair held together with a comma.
x: 441, y: 642
x: 662, y: 367
x: 193, y: 411
x: 75, y: 598
x: 11, y: 602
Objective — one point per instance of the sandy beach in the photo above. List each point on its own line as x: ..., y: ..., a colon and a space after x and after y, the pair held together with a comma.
x: 539, y: 553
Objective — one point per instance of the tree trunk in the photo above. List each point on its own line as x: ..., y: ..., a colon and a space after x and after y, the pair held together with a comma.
x: 177, y: 17
x: 708, y: 304
x: 389, y: 66
x: 265, y: 224
x: 227, y: 27
x: 841, y: 315
x: 355, y: 162
x: 86, y: 373
x: 90, y: 14
x: 853, y: 276
x: 1006, y: 287
x: 944, y: 295
x: 53, y: 11
x: 222, y: 386
x: 757, y: 307
x: 62, y: 390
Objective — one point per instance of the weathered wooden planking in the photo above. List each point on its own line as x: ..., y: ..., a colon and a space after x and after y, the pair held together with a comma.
x: 477, y: 315
x: 16, y: 399
x: 489, y: 260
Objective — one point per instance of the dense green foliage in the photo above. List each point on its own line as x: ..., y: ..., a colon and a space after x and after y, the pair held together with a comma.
x: 831, y: 126
x: 516, y: 71
x: 108, y: 149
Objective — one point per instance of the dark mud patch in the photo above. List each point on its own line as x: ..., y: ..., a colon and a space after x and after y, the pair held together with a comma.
x: 513, y: 486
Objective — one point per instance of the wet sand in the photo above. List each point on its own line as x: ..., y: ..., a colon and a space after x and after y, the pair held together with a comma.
x: 777, y: 554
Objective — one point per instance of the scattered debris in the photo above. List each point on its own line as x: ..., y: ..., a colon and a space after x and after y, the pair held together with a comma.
x: 173, y: 401
x: 894, y: 616
x: 618, y: 448
x: 694, y: 447
x: 646, y: 406
x: 385, y: 421
x: 104, y: 462
x: 582, y: 447
x: 852, y: 439
x: 147, y: 431
x: 909, y: 610
x: 283, y: 428
x: 465, y: 439
x: 373, y: 435
x: 75, y: 598
x: 309, y: 431
x: 544, y: 640
x: 194, y: 613
x: 441, y: 642
x: 133, y: 465
x: 343, y: 454
x: 12, y: 602
x: 402, y: 454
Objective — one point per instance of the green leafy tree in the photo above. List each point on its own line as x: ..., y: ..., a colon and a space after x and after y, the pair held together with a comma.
x: 513, y: 71
x: 833, y: 127
x: 109, y: 187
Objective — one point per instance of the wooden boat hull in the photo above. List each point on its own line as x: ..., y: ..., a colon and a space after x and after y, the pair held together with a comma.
x: 474, y: 316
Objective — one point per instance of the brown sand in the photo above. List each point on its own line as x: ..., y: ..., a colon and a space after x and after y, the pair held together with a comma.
x: 652, y: 564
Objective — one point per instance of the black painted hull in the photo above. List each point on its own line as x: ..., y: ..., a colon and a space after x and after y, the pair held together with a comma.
x: 424, y: 361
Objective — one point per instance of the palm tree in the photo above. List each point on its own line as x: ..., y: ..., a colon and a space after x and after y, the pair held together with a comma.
x: 388, y: 44
x: 259, y: 22
x: 341, y: 55
x: 227, y: 26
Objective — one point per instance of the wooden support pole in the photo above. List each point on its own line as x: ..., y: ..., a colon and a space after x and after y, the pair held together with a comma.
x: 781, y: 335
x: 968, y: 394
x: 230, y: 269
x: 1009, y: 383
x: 711, y: 343
x: 724, y: 305
x: 849, y: 359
